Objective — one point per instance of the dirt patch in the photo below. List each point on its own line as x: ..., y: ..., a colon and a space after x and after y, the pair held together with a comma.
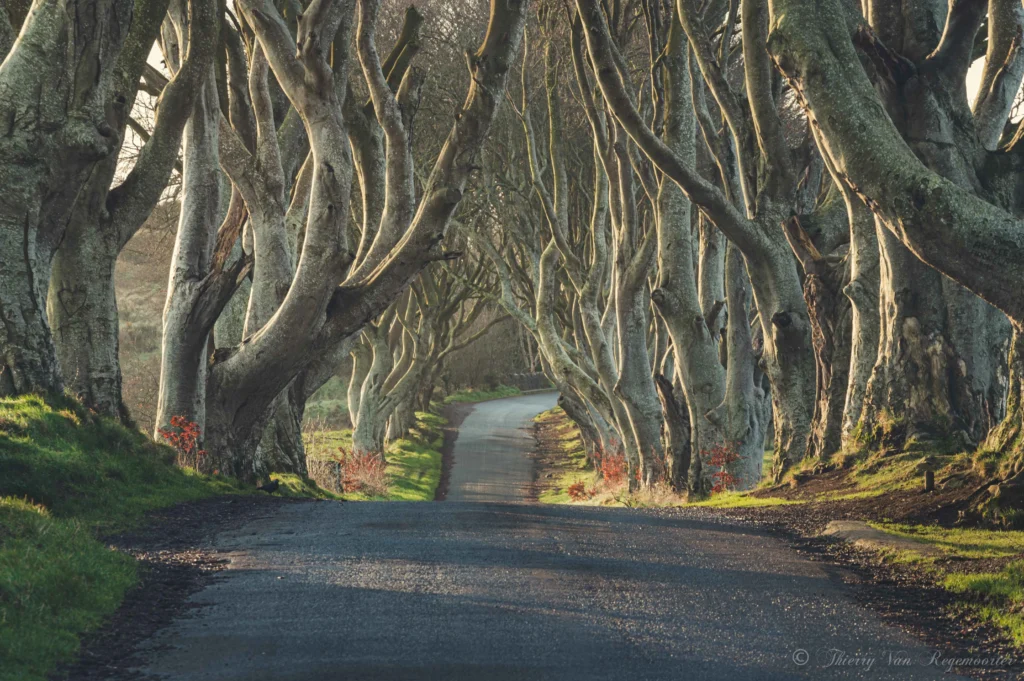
x: 910, y: 506
x: 455, y: 413
x: 176, y: 558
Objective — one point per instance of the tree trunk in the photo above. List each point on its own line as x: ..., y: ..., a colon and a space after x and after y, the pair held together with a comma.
x: 676, y: 436
x: 403, y: 418
x: 830, y: 316
x: 281, y: 449
x: 372, y: 418
x: 183, y: 369
x: 82, y: 306
x: 907, y: 396
x: 742, y: 418
x: 54, y: 85
x: 863, y: 294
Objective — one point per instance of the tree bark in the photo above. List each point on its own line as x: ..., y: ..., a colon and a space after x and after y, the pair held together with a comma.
x: 54, y: 85
x: 184, y: 343
x: 82, y: 305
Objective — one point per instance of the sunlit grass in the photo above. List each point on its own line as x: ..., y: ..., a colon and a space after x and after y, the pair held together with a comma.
x: 414, y: 462
x: 742, y: 500
x: 474, y: 395
x: 1002, y: 596
x: 962, y: 542
x: 66, y: 477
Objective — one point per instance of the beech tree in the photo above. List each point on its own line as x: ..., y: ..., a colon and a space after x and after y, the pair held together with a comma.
x: 60, y: 91
x: 712, y: 219
x: 402, y: 352
x: 328, y: 300
x: 81, y: 305
x: 952, y: 203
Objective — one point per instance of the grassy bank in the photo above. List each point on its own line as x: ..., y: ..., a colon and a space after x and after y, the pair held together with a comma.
x: 478, y: 395
x: 983, y: 566
x: 413, y: 462
x: 567, y: 459
x: 66, y: 478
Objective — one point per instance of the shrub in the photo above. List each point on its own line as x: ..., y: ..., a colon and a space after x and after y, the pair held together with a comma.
x: 185, y: 436
x: 721, y: 456
x: 362, y: 472
x: 613, y: 468
x: 578, y: 491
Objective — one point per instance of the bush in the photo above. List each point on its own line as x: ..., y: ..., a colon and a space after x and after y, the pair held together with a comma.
x: 365, y: 473
x: 613, y: 468
x: 721, y: 456
x: 578, y: 491
x: 184, y: 436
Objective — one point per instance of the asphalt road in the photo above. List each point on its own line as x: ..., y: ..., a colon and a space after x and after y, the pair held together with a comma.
x: 490, y: 462
x: 491, y: 591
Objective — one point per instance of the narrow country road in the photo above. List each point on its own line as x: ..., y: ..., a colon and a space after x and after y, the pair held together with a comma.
x: 490, y: 460
x: 497, y: 590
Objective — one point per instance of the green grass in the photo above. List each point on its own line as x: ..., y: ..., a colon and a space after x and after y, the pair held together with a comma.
x: 998, y: 596
x: 474, y: 395
x: 298, y: 487
x: 67, y: 477
x: 741, y: 500
x: 962, y: 542
x: 414, y: 462
x: 56, y: 581
x: 57, y: 454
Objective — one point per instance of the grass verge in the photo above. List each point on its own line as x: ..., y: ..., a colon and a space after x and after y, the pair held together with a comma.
x: 66, y: 478
x: 995, y: 593
x: 414, y: 462
x: 474, y: 395
x: 566, y: 455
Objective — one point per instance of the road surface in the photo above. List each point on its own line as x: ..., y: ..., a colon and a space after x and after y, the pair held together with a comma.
x: 503, y: 591
x: 490, y: 453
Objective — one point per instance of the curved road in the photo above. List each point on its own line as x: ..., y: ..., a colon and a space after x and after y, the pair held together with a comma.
x: 495, y: 591
x: 490, y: 464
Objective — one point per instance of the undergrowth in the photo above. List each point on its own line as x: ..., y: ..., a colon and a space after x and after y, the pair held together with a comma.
x: 413, y: 462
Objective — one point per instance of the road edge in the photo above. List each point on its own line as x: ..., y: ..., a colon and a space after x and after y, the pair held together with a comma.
x: 454, y: 413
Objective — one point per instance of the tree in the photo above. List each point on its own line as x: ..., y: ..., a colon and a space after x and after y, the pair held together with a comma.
x: 56, y: 82
x: 971, y: 234
x: 315, y: 314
